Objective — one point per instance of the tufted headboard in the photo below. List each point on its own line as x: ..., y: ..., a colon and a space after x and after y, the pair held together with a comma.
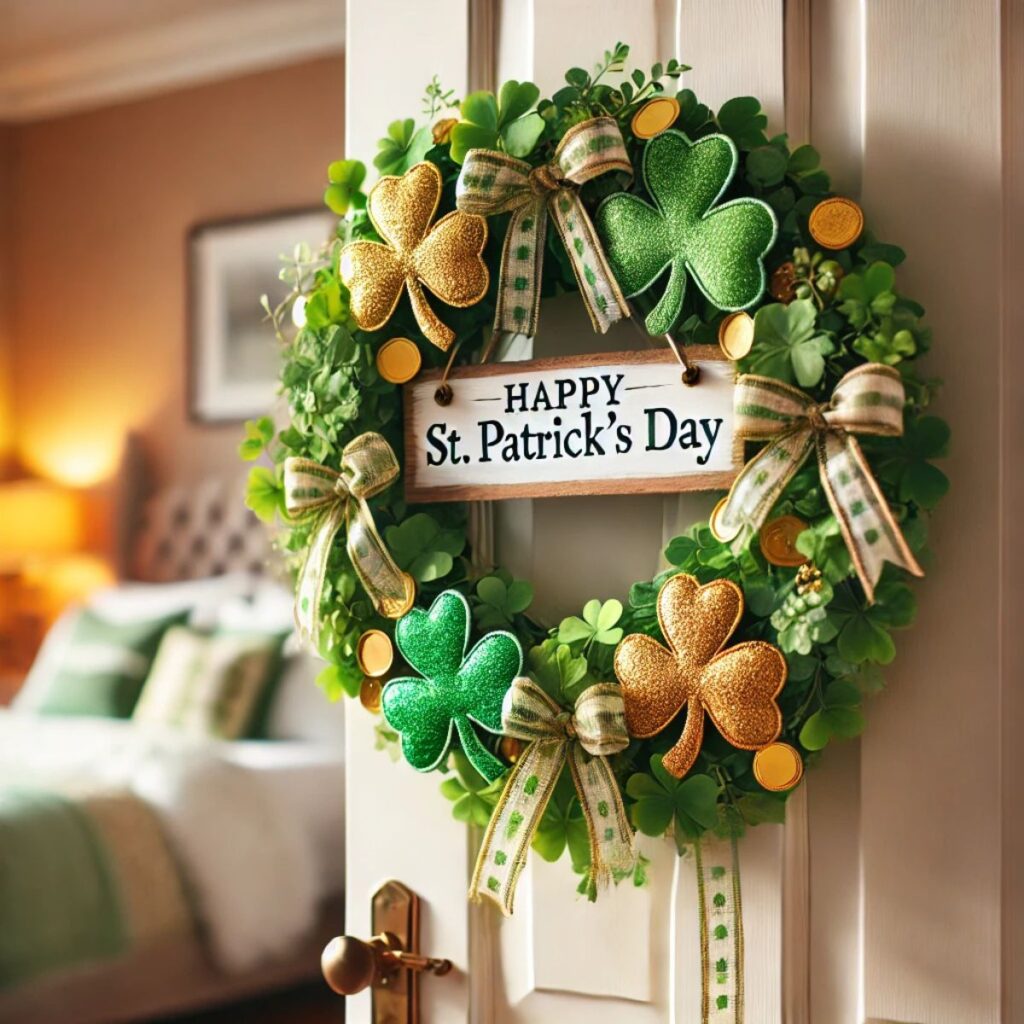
x: 187, y: 533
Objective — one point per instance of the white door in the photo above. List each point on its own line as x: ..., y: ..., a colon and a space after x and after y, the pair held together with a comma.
x: 890, y: 894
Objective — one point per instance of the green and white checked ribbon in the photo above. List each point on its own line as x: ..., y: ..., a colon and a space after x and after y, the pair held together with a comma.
x: 584, y: 737
x: 720, y: 912
x: 491, y: 183
x: 868, y: 400
x: 368, y: 466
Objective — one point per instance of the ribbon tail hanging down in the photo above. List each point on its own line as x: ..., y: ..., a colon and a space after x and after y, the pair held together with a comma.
x: 391, y: 590
x: 522, y: 262
x: 310, y: 587
x: 720, y: 920
x: 601, y: 293
x: 514, y: 821
x: 868, y: 527
x: 612, y: 853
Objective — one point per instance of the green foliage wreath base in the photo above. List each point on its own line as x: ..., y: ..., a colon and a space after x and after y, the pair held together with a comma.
x: 846, y: 311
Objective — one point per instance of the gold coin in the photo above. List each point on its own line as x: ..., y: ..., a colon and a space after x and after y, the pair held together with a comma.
x: 510, y: 748
x: 655, y: 116
x: 736, y: 335
x: 369, y: 694
x: 836, y: 223
x: 778, y: 767
x: 713, y: 518
x: 398, y: 360
x: 395, y: 608
x: 778, y: 541
x: 375, y: 653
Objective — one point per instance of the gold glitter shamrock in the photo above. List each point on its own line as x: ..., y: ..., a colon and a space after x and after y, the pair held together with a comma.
x: 446, y: 257
x: 737, y: 687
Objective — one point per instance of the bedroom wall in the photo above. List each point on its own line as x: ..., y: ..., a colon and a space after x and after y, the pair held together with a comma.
x: 6, y: 209
x: 104, y: 200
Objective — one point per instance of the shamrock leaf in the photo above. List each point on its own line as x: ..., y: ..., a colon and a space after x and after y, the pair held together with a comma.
x: 720, y: 246
x: 258, y: 434
x: 864, y: 629
x: 840, y: 717
x: 345, y: 177
x: 423, y: 549
x: 499, y: 601
x: 742, y: 120
x: 689, y: 805
x: 867, y: 295
x: 562, y: 674
x: 473, y: 799
x: 596, y: 626
x: 455, y: 690
x: 264, y: 494
x: 904, y: 461
x: 504, y: 122
x: 403, y: 146
x: 787, y: 344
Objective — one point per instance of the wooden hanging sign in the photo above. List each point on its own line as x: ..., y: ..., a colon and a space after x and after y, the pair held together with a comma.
x: 609, y: 423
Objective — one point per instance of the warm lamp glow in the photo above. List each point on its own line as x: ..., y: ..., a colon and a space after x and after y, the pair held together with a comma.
x: 37, y: 519
x: 80, y: 460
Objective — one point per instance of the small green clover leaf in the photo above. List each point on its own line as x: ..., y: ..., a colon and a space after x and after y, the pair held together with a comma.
x: 840, y: 717
x: 862, y: 297
x: 345, y: 177
x: 904, y: 461
x: 499, y: 600
x: 562, y: 674
x: 473, y: 799
x: 864, y: 629
x: 420, y: 546
x: 720, y: 246
x: 258, y: 434
x: 596, y: 626
x: 689, y: 805
x: 456, y: 690
x: 403, y: 146
x: 787, y: 344
x: 504, y: 122
x: 742, y: 120
x: 264, y: 494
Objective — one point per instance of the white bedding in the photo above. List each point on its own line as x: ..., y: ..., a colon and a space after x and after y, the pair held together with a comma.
x: 257, y: 826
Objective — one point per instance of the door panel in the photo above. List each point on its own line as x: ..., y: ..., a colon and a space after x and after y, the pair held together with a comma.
x: 881, y: 897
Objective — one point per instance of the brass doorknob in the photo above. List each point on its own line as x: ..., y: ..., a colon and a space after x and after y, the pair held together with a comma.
x: 350, y: 965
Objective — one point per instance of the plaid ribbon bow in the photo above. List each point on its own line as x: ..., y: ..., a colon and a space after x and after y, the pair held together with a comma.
x: 868, y: 400
x: 594, y: 729
x: 368, y: 466
x: 492, y: 183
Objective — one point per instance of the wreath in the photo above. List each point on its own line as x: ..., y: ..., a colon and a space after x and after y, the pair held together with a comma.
x: 691, y: 706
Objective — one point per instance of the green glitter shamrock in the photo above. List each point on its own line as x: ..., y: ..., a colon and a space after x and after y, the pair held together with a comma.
x: 456, y: 689
x: 721, y: 247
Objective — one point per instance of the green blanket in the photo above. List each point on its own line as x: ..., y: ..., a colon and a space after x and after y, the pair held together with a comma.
x: 59, y: 898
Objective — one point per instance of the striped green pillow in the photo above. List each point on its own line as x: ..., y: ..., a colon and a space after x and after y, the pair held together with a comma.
x: 209, y: 685
x: 103, y: 665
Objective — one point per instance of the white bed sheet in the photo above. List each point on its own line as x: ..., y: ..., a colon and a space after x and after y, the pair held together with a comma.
x: 258, y: 825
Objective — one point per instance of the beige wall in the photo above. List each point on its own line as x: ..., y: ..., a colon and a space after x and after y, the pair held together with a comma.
x: 102, y: 204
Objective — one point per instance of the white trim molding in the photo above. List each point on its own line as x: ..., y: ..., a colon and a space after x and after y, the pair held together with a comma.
x: 200, y: 47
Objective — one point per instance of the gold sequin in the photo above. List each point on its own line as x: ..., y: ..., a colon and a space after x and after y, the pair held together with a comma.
x: 737, y: 687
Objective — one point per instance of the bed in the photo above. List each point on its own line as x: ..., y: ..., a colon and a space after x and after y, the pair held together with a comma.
x: 148, y: 869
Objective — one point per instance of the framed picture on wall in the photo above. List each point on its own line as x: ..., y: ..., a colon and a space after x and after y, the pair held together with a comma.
x: 232, y: 351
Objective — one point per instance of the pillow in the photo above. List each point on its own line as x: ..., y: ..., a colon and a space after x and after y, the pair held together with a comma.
x: 99, y: 666
x: 209, y: 685
x: 300, y: 709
